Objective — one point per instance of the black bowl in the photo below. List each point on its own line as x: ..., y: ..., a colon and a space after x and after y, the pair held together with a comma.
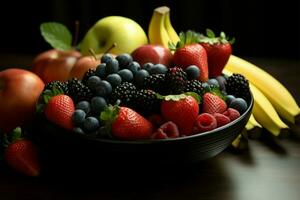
x: 60, y: 148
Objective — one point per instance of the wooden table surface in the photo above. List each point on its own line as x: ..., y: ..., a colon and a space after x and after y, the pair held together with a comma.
x: 268, y: 170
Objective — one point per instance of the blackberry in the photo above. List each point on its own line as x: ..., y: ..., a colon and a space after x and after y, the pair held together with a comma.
x: 194, y: 86
x: 58, y: 84
x: 87, y: 75
x: 238, y: 86
x: 146, y: 102
x: 155, y: 82
x: 175, y: 80
x: 125, y: 92
x: 78, y: 91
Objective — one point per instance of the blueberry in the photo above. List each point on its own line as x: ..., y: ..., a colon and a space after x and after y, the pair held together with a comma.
x: 84, y: 105
x: 112, y: 66
x: 239, y: 104
x: 134, y: 67
x: 140, y: 76
x: 229, y: 99
x: 158, y: 69
x: 193, y: 72
x: 100, y: 70
x: 124, y: 60
x: 206, y: 87
x: 78, y: 130
x: 93, y: 81
x: 126, y: 75
x: 106, y: 58
x: 78, y: 117
x: 213, y: 82
x: 147, y: 66
x: 222, y: 82
x: 98, y: 104
x: 114, y: 79
x: 103, y: 89
x: 91, y: 124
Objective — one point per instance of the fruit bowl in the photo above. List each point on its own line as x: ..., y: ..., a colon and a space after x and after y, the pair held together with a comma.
x: 64, y: 149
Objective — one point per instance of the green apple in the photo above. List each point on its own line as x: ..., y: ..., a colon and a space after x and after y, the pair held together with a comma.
x: 126, y: 33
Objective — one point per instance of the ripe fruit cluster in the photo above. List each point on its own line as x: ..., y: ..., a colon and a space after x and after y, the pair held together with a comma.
x: 163, y: 102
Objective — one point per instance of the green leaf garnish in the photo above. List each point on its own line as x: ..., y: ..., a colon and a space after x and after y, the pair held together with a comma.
x: 210, y: 33
x: 177, y: 97
x: 57, y: 35
x: 108, y: 116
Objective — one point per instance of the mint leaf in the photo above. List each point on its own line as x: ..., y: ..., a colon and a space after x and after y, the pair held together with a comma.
x: 57, y: 35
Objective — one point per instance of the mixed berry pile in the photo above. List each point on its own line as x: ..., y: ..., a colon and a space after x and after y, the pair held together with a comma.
x: 123, y: 100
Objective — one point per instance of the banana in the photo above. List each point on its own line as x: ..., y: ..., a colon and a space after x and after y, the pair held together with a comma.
x: 254, y: 129
x: 170, y: 30
x: 278, y: 95
x: 160, y: 29
x: 265, y: 113
x: 241, y: 141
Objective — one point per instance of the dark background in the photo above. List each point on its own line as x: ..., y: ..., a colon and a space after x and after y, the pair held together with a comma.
x: 261, y: 28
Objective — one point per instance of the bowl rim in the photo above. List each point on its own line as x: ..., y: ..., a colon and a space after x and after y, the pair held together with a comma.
x: 154, y: 141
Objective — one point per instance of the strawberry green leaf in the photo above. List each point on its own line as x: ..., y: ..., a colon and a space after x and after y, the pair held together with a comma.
x: 57, y: 35
x: 210, y: 33
x: 195, y: 95
x: 16, y: 134
x: 108, y: 116
x: 177, y: 97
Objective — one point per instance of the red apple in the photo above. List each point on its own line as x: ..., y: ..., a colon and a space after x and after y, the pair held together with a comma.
x: 152, y: 53
x: 54, y: 65
x: 84, y: 64
x: 19, y: 92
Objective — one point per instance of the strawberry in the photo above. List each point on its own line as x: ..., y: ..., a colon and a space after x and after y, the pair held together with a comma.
x: 126, y: 124
x: 189, y: 52
x: 182, y: 111
x: 59, y: 110
x: 22, y: 156
x: 211, y: 103
x: 218, y: 51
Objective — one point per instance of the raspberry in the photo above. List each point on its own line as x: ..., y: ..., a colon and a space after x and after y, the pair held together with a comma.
x: 167, y: 130
x: 232, y: 114
x: 206, y: 122
x: 221, y: 119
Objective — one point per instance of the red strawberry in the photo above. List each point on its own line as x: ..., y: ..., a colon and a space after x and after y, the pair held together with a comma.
x: 212, y: 103
x: 218, y: 51
x: 221, y: 119
x: 206, y: 122
x: 22, y: 156
x: 167, y: 130
x: 130, y: 125
x: 189, y: 52
x: 182, y: 112
x: 59, y: 110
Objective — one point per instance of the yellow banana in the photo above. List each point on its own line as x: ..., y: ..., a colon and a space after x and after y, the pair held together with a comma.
x: 265, y: 113
x: 170, y: 30
x: 241, y: 141
x: 254, y: 129
x: 278, y: 95
x: 160, y: 29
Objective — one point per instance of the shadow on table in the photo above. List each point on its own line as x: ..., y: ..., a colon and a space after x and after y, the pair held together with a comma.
x: 206, y: 179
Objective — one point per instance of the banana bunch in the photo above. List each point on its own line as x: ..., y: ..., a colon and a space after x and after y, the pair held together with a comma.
x: 160, y: 29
